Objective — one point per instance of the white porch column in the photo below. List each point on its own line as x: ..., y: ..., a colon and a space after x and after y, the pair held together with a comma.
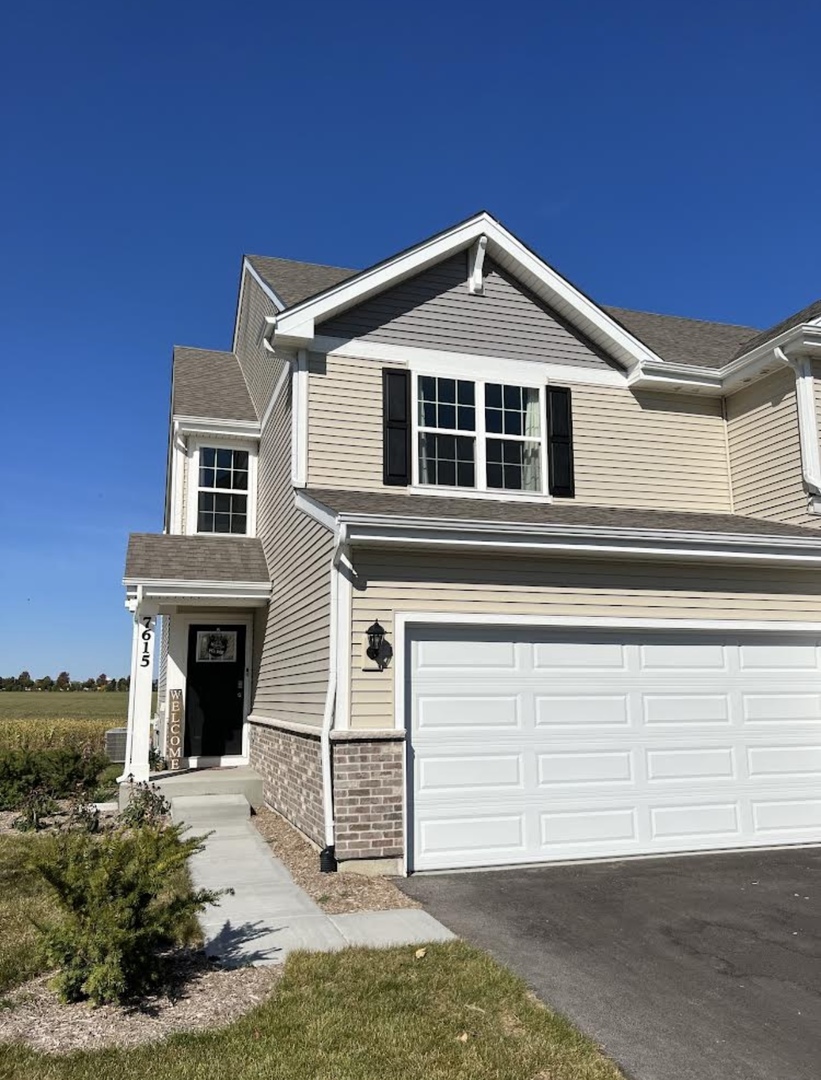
x: 138, y: 739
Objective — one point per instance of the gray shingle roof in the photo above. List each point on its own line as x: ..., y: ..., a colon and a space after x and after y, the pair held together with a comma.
x: 160, y: 557
x: 431, y: 507
x: 685, y: 341
x: 210, y: 383
x: 675, y: 339
x: 295, y: 281
x: 811, y: 311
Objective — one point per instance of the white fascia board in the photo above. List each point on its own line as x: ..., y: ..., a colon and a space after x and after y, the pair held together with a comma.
x: 440, y: 361
x: 229, y: 590
x: 212, y: 425
x: 296, y: 326
x: 593, y: 541
x: 316, y: 510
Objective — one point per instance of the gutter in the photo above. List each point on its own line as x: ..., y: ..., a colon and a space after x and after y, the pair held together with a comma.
x: 807, y: 425
x: 327, y: 857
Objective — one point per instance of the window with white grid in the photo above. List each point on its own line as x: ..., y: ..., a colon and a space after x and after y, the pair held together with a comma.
x: 483, y: 435
x: 222, y: 493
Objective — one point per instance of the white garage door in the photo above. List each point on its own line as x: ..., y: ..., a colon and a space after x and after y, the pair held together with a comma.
x: 532, y: 746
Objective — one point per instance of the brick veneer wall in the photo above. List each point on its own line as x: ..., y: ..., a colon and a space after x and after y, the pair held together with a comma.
x: 291, y: 769
x: 368, y: 788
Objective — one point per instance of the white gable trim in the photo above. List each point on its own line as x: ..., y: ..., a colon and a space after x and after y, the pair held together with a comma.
x: 296, y: 327
x: 275, y: 299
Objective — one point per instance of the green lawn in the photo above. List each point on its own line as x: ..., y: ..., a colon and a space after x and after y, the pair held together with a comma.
x: 361, y: 1015
x: 81, y: 705
x: 23, y: 897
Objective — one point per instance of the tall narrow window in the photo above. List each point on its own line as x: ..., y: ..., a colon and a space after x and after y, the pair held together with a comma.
x: 222, y: 496
x: 513, y: 424
x: 446, y: 427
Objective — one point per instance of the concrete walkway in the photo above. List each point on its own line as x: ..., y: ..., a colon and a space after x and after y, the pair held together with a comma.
x: 269, y: 915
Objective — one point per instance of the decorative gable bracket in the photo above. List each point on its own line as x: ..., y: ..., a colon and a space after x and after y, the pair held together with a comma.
x: 476, y: 262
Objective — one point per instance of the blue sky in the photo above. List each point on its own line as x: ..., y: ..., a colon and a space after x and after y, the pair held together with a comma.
x: 662, y: 156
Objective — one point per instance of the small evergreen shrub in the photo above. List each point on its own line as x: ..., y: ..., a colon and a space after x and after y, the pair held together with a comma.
x: 59, y: 772
x: 146, y: 806
x: 125, y: 900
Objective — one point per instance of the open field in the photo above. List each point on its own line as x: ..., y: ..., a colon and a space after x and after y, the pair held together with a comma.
x: 82, y: 705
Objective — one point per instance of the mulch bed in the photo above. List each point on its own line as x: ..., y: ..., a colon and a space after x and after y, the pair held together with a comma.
x: 336, y: 894
x: 204, y: 995
x: 55, y: 822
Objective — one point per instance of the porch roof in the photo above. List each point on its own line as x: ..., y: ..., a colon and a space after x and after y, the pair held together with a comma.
x: 196, y: 565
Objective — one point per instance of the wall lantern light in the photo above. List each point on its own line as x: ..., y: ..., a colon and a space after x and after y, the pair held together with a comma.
x: 376, y: 635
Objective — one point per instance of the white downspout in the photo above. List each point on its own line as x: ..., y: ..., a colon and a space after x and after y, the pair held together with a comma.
x: 807, y: 425
x: 327, y: 857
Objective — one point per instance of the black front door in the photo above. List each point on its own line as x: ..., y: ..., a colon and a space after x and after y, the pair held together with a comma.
x: 215, y: 694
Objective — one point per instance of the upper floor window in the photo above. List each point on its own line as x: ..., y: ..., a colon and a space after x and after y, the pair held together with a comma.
x: 222, y: 492
x: 482, y: 435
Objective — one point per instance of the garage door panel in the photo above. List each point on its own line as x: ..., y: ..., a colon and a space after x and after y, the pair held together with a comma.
x: 461, y: 656
x: 795, y: 657
x: 444, y: 711
x: 593, y: 826
x: 675, y: 656
x: 480, y: 772
x: 582, y: 710
x: 559, y: 769
x: 781, y: 708
x: 686, y: 707
x: 562, y: 656
x: 638, y: 750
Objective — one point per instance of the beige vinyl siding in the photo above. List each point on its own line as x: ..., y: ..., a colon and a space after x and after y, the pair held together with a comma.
x: 293, y: 666
x: 259, y: 368
x: 641, y: 450
x: 345, y: 423
x: 392, y: 582
x: 765, y: 451
x: 649, y: 451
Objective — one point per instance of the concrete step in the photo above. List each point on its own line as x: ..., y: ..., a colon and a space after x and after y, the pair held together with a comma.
x: 210, y: 811
x: 236, y: 781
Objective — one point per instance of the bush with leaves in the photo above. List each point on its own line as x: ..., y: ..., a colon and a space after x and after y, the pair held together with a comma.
x: 146, y: 806
x: 35, y: 807
x: 124, y: 901
x: 60, y: 772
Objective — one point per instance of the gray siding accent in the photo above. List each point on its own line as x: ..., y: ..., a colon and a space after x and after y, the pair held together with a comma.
x: 293, y: 667
x: 259, y: 368
x: 434, y: 310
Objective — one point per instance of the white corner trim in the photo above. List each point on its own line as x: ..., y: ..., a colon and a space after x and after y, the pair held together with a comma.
x: 299, y: 421
x: 476, y: 260
x: 807, y: 422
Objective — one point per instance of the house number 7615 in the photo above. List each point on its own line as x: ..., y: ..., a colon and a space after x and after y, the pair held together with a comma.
x: 145, y: 659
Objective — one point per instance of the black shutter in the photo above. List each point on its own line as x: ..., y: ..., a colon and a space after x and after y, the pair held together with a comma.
x: 396, y: 406
x: 560, y: 442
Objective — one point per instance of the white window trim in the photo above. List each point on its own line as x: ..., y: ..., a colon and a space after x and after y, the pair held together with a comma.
x: 480, y: 436
x: 177, y: 673
x: 194, y: 447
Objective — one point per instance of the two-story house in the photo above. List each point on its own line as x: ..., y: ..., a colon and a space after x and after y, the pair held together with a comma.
x: 475, y: 571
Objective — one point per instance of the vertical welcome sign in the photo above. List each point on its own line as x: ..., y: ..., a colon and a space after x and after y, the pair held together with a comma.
x: 175, y: 722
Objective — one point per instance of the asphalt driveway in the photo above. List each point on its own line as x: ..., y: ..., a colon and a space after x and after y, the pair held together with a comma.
x: 700, y: 968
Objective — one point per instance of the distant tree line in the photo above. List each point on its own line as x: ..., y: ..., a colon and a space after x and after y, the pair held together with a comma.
x: 63, y: 683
